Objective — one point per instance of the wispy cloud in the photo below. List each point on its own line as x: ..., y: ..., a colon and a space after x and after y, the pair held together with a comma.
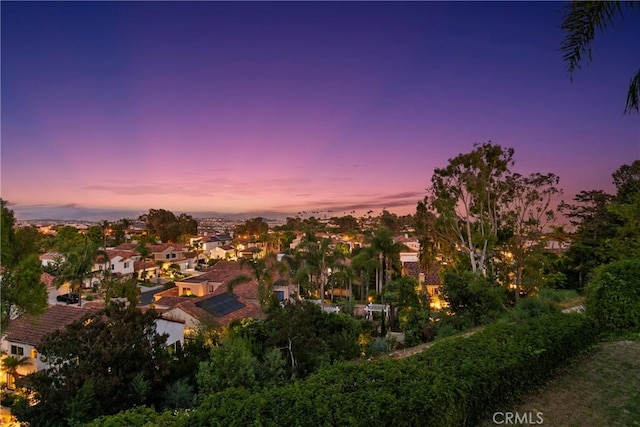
x: 360, y: 202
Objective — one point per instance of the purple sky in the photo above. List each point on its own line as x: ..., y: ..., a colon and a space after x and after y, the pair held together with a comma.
x: 252, y: 107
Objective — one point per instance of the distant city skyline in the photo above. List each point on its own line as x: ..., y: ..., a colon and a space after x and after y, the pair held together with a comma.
x: 110, y: 109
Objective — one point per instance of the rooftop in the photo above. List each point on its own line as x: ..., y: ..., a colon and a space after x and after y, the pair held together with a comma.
x: 28, y: 329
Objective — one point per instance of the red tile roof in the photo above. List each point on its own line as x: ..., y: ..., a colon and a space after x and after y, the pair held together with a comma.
x: 160, y: 248
x: 125, y: 247
x: 433, y: 277
x: 138, y: 265
x: 29, y: 329
x: 225, y: 271
x: 124, y: 254
x: 413, y: 269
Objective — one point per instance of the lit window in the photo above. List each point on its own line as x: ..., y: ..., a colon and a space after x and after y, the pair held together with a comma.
x: 33, y: 353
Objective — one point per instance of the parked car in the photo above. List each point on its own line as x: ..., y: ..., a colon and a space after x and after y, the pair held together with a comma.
x: 69, y: 298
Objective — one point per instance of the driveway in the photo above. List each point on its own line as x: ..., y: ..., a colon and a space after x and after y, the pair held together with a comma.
x: 52, y: 293
x: 146, y: 297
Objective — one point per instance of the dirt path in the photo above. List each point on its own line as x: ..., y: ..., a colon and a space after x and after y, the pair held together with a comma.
x: 406, y: 352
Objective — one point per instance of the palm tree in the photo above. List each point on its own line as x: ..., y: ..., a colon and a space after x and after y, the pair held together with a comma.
x: 366, y: 263
x: 318, y: 257
x: 77, y: 268
x: 388, y: 251
x: 145, y: 254
x: 581, y: 21
x: 104, y: 225
x: 11, y: 364
x: 267, y: 271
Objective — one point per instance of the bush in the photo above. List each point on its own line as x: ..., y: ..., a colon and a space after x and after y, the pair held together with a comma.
x: 472, y: 298
x: 613, y: 296
x: 557, y: 295
x: 445, y: 331
x: 432, y: 388
x: 417, y: 326
x: 379, y: 346
x: 533, y: 307
x: 453, y: 383
x: 141, y: 416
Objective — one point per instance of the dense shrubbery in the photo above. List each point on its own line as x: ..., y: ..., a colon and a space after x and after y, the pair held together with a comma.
x: 452, y: 384
x: 473, y: 299
x: 141, y: 417
x: 613, y: 296
x: 533, y: 307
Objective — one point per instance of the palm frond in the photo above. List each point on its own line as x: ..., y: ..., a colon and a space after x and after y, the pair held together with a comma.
x: 238, y: 280
x: 633, y: 96
x: 581, y: 22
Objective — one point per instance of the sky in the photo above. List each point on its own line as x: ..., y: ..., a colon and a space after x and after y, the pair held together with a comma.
x: 110, y: 109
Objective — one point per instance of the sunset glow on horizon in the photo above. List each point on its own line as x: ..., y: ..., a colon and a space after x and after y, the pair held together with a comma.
x: 295, y: 106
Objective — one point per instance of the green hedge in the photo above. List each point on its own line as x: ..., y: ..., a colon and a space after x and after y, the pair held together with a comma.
x: 454, y: 383
x: 613, y: 296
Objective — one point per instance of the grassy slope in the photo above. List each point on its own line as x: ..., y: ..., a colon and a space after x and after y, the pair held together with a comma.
x: 603, y: 389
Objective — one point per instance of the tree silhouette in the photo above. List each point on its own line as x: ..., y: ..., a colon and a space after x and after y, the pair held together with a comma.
x: 580, y: 23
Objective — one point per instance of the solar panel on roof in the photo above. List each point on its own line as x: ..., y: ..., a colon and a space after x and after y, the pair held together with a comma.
x: 221, y: 305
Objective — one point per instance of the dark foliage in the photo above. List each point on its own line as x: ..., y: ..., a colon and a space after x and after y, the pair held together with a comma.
x: 105, y: 363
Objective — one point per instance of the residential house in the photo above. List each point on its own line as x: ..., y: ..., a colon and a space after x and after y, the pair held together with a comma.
x: 51, y: 258
x: 296, y: 241
x: 413, y: 243
x: 252, y: 252
x: 409, y: 255
x: 429, y: 281
x: 213, y: 310
x: 26, y: 332
x: 146, y: 270
x: 215, y: 277
x: 205, y: 242
x: 170, y: 254
x: 120, y: 262
x: 224, y: 238
x: 214, y: 303
x: 227, y: 252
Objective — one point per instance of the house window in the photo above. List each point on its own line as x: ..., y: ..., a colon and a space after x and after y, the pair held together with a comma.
x: 173, y: 255
x: 33, y: 353
x: 126, y: 265
x: 113, y: 266
x: 211, y: 289
x: 167, y: 256
x: 186, y: 291
x: 17, y: 350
